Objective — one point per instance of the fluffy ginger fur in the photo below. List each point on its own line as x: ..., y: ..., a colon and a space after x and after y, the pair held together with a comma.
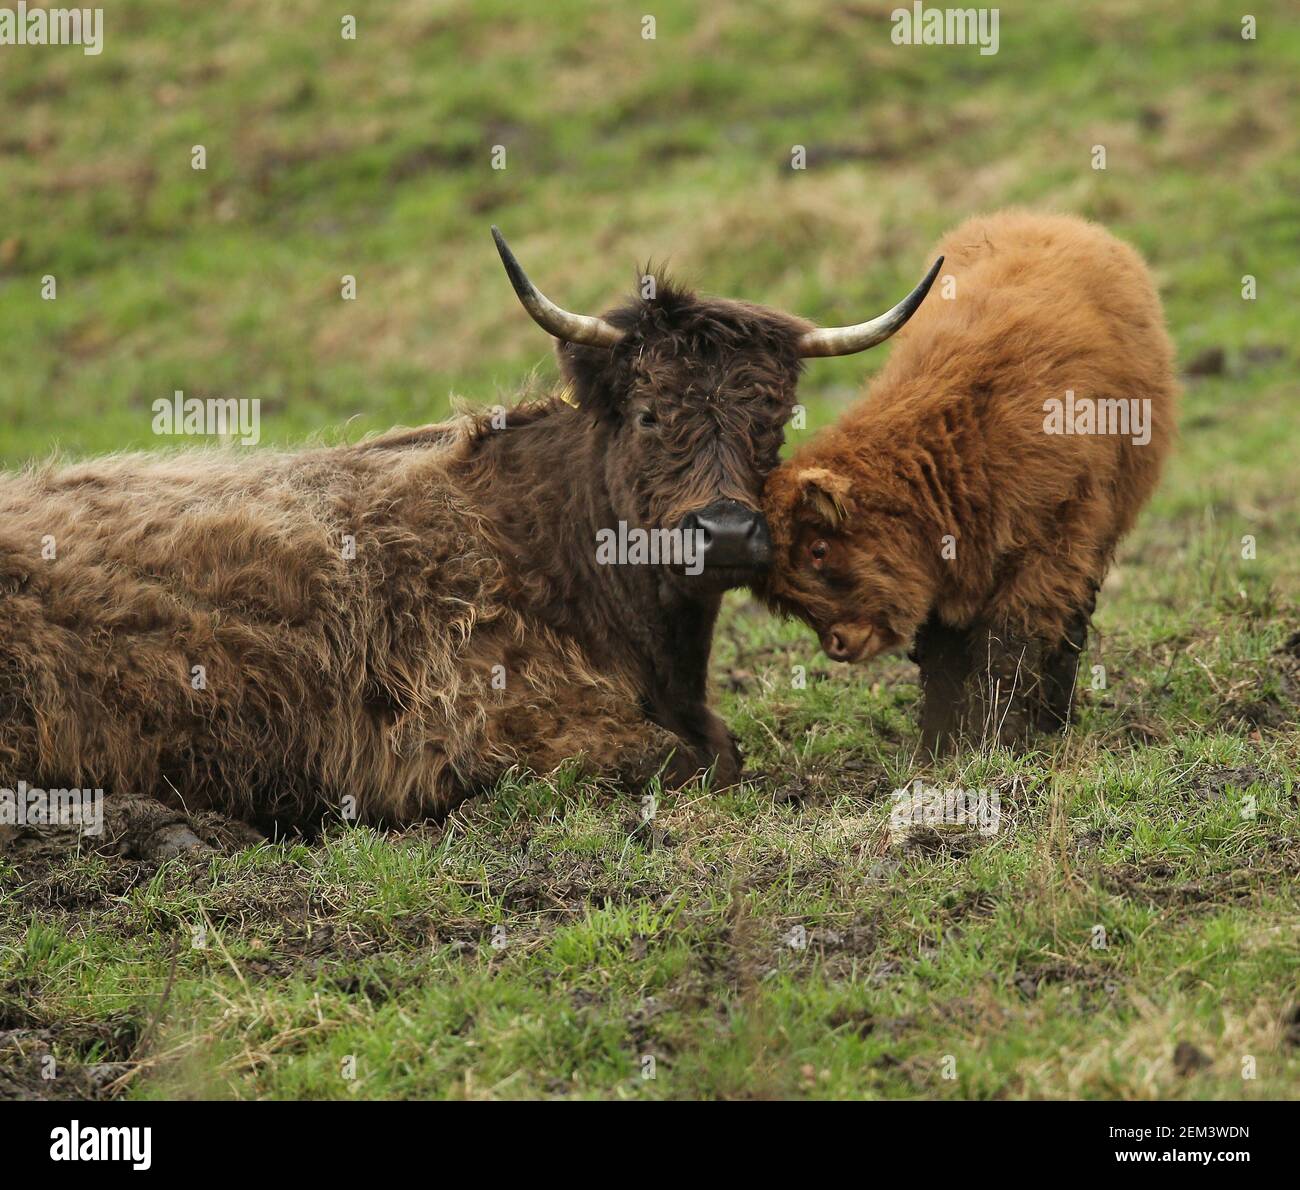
x: 938, y: 512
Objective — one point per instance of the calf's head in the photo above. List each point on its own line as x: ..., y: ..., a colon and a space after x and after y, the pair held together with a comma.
x: 845, y: 561
x: 689, y: 397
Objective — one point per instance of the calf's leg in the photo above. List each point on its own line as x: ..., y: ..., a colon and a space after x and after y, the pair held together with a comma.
x: 944, y: 656
x: 1060, y: 669
x: 979, y: 685
x: 1007, y: 682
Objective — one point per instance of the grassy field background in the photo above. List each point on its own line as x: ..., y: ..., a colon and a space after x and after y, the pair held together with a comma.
x: 777, y: 939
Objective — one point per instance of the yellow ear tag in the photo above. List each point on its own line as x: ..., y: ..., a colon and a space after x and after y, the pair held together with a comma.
x: 566, y: 395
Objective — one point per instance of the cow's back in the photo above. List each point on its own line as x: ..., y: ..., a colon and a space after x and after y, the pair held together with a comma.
x: 226, y: 627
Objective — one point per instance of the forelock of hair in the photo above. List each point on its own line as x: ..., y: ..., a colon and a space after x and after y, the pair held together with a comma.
x: 676, y: 312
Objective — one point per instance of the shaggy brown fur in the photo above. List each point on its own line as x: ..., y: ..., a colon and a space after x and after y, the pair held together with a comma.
x: 472, y: 631
x: 950, y: 450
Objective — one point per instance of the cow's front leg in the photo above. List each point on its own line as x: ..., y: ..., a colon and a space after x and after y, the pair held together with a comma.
x: 707, y: 745
x: 679, y: 701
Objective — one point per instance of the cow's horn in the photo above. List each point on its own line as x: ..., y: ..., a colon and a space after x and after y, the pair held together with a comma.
x: 573, y: 328
x: 845, y: 340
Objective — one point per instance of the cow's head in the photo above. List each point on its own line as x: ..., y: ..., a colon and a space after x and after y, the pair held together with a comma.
x: 690, y: 397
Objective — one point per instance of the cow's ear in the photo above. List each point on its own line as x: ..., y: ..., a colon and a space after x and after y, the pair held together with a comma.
x: 827, y: 493
x: 590, y: 378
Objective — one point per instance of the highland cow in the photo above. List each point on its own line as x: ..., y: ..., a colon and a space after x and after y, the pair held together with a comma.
x: 388, y: 627
x: 970, y: 506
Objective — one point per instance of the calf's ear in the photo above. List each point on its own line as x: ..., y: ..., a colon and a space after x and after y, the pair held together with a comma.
x: 827, y: 493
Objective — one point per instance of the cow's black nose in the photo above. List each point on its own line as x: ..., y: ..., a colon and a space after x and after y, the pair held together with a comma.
x: 731, y: 535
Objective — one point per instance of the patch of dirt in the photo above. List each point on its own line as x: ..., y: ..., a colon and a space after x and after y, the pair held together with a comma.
x: 738, y: 680
x: 821, y: 783
x: 1274, y: 709
x: 742, y: 676
x: 1088, y: 842
x: 303, y: 937
x: 1188, y: 1059
x: 59, y: 888
x: 1142, y: 731
x: 647, y: 834
x: 1268, y: 713
x: 855, y: 940
x: 642, y: 1028
x: 1291, y: 1027
x: 431, y: 158
x: 1262, y: 355
x: 49, y: 1059
x: 860, y: 1021
x: 285, y: 918
x: 927, y: 840
x: 1211, y: 361
x: 1213, y: 786
x: 890, y: 141
x: 972, y: 904
x: 1095, y: 986
x: 1153, y: 883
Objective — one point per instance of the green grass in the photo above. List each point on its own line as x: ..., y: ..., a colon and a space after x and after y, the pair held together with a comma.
x: 963, y: 966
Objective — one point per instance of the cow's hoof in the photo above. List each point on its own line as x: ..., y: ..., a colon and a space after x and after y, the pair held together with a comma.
x: 169, y: 841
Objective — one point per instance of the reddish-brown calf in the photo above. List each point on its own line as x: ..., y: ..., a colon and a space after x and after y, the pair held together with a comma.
x: 971, y: 504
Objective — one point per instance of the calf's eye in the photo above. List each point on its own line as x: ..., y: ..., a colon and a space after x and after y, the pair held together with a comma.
x: 817, y: 552
x: 645, y: 420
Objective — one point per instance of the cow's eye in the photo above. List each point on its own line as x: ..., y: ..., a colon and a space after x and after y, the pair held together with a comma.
x: 818, y: 552
x: 645, y: 420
